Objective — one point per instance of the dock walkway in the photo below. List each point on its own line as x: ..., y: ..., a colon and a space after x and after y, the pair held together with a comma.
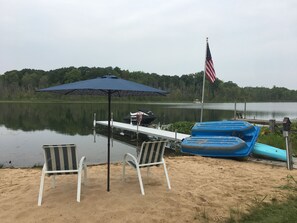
x: 259, y: 121
x: 145, y: 130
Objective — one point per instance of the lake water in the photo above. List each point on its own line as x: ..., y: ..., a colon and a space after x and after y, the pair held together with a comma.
x: 25, y: 127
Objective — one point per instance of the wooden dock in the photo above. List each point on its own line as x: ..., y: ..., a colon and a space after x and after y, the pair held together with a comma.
x: 259, y: 121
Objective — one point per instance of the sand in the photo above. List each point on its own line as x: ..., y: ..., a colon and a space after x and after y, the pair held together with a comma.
x: 203, y: 189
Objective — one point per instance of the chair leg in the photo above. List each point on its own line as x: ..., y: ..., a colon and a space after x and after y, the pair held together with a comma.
x: 86, y: 171
x: 166, y: 174
x: 78, y: 186
x: 41, y: 186
x: 140, y: 180
x: 85, y: 175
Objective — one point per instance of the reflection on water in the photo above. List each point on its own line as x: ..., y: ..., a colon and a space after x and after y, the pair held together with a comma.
x: 25, y: 127
x: 267, y: 110
x: 23, y: 149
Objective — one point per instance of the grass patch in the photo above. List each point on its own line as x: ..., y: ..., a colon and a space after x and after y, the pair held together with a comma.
x: 291, y: 184
x: 202, y: 217
x: 182, y: 127
x: 235, y: 214
x: 275, y: 212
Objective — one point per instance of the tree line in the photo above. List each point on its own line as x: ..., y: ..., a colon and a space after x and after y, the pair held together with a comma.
x: 22, y: 85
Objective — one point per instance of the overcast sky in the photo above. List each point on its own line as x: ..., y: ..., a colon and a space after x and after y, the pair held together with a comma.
x: 252, y: 42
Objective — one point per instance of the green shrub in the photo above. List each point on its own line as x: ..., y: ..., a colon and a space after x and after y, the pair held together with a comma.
x: 182, y: 127
x: 273, y: 139
x: 277, y: 139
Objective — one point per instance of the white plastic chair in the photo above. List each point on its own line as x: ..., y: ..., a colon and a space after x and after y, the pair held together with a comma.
x: 151, y: 154
x: 61, y: 159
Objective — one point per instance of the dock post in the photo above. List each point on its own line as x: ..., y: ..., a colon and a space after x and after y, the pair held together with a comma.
x: 94, y: 127
x: 286, y: 131
x: 272, y: 125
x: 137, y: 147
x: 94, y: 134
x: 235, y: 110
x: 244, y: 114
x: 94, y: 121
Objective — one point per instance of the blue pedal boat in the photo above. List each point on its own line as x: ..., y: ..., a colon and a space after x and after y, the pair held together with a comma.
x: 221, y: 139
x: 222, y: 128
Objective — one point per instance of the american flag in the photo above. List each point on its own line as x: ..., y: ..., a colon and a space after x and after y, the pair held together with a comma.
x: 209, y: 69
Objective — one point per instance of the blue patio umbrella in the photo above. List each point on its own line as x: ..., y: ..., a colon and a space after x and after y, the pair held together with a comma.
x: 108, y: 85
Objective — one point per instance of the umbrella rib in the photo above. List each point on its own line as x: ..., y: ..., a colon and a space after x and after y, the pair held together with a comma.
x: 109, y: 91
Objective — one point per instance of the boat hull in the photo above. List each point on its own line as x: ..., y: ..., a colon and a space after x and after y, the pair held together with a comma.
x: 146, y: 119
x: 222, y: 128
x: 221, y: 139
x: 216, y: 146
x: 266, y: 151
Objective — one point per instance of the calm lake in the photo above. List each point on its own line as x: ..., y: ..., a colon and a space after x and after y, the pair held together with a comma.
x: 25, y: 127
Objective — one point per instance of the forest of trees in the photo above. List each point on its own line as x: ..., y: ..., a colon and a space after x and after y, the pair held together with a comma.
x: 22, y: 85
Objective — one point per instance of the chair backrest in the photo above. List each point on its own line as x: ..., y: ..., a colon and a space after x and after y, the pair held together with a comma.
x: 60, y: 157
x: 151, y: 152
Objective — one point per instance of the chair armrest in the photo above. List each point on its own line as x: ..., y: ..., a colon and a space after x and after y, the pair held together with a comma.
x: 131, y: 156
x: 81, y: 162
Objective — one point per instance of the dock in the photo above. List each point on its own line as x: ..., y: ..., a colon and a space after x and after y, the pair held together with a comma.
x: 175, y: 136
x: 178, y: 137
x: 260, y: 121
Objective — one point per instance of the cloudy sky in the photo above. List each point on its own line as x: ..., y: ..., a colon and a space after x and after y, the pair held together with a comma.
x: 253, y: 43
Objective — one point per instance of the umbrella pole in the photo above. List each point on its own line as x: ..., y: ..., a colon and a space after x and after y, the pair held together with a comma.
x: 108, y: 142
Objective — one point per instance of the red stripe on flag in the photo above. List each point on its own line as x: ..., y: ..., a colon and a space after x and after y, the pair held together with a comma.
x: 209, y: 68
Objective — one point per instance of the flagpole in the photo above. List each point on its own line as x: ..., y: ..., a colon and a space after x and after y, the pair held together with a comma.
x: 202, y: 100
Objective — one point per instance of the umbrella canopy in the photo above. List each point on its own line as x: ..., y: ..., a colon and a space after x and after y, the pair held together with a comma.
x: 105, y: 85
x: 108, y: 85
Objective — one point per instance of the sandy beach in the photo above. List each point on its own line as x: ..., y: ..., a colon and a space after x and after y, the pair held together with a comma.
x: 202, y: 189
